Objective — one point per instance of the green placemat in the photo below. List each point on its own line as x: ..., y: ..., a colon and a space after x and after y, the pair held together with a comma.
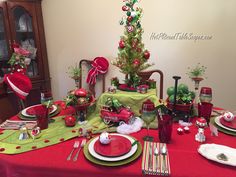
x: 112, y: 164
x: 222, y: 129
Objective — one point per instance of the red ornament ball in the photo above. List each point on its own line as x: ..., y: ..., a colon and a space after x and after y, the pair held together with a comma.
x: 129, y: 18
x: 121, y: 44
x: 136, y: 62
x: 146, y: 54
x: 70, y: 121
x: 130, y: 28
x: 80, y: 92
x: 125, y: 8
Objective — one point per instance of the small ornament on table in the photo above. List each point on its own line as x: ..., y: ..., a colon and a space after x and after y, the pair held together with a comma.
x: 213, y: 129
x: 142, y: 88
x: 201, y: 124
x: 180, y: 131
x: 85, y: 132
x: 24, y: 135
x: 228, y: 116
x: 35, y: 133
x: 186, y: 129
x: 70, y: 121
x: 105, y: 138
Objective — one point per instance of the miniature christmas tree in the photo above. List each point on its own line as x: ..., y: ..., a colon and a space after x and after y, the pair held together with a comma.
x: 132, y: 56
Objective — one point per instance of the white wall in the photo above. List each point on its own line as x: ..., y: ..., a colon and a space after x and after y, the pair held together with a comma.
x: 77, y: 29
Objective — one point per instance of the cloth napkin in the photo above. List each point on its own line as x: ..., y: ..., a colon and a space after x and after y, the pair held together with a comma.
x: 152, y: 164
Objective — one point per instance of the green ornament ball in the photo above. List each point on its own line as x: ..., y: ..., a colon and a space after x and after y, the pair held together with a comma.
x: 128, y: 13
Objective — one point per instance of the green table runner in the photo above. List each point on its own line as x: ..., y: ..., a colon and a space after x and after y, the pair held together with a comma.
x: 57, y: 132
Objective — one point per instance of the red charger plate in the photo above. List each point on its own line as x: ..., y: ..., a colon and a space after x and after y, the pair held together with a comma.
x: 118, y: 146
x: 231, y: 124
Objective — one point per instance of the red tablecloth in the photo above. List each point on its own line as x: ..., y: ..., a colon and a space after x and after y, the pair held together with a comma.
x: 184, y: 160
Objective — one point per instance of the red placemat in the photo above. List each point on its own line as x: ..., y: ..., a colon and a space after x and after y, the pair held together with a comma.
x: 118, y: 146
x: 231, y: 124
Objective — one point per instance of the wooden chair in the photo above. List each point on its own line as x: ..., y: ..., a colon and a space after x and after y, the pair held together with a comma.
x: 87, y: 63
x: 145, y: 75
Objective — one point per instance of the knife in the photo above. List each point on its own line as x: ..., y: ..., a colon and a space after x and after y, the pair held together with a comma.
x: 150, y: 156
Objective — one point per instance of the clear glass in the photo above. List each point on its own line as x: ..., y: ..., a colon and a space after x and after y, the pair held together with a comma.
x: 26, y: 38
x: 148, y: 117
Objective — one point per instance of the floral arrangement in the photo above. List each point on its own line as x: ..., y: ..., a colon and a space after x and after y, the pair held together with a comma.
x: 19, y: 59
x: 197, y: 71
x: 78, y: 97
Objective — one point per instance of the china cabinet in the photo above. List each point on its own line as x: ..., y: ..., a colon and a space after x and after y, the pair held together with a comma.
x: 21, y: 21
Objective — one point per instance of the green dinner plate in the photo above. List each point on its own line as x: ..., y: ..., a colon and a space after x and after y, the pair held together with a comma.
x: 112, y: 164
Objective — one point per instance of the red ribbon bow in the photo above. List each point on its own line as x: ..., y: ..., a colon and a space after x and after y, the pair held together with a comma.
x: 99, y: 66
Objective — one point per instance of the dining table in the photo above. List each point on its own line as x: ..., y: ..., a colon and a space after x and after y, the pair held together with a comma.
x: 184, y: 159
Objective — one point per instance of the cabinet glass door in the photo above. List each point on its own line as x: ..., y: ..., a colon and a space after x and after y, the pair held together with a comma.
x: 25, y: 36
x: 4, y: 55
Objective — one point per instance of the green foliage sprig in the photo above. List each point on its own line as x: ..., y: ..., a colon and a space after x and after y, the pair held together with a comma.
x: 197, y: 71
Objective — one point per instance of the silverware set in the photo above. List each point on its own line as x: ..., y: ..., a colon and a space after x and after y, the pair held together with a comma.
x: 155, y: 159
x: 79, y: 146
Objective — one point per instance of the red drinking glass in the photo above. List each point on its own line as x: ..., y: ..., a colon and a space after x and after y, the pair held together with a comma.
x: 164, y: 127
x: 204, y: 110
x: 42, y: 116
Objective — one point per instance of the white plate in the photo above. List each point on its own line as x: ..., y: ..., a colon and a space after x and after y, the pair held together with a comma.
x: 112, y: 159
x: 24, y: 113
x: 210, y: 151
x: 217, y: 121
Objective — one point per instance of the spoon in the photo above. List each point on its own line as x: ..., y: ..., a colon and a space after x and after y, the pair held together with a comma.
x: 156, y: 153
x: 163, y: 152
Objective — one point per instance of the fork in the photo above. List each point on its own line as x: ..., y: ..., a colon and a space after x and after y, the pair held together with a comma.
x: 75, y: 146
x: 81, y: 146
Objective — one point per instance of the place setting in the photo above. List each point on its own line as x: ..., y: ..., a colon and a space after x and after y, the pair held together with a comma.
x: 29, y: 113
x: 226, y: 123
x: 112, y: 149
